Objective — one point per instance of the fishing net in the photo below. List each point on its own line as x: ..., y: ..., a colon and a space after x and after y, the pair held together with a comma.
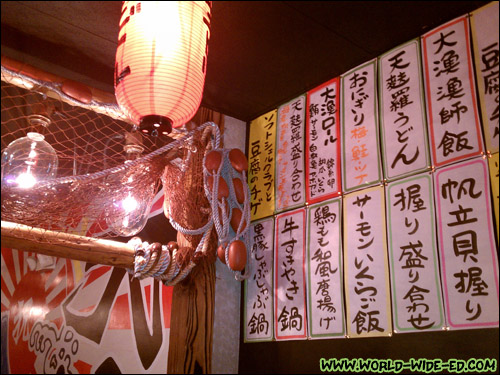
x: 101, y: 159
x: 104, y: 175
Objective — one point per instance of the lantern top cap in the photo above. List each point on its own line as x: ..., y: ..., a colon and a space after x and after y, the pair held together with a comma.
x: 155, y: 124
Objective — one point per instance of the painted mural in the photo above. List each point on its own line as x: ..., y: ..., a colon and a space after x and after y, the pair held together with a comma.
x: 65, y: 316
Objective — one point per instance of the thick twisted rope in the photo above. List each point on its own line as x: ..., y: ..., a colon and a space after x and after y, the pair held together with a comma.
x: 155, y: 260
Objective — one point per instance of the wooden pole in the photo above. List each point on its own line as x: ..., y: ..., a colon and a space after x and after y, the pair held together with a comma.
x: 193, y: 299
x: 192, y: 318
x: 87, y: 249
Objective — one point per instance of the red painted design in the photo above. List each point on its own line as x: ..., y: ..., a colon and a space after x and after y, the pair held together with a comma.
x: 95, y: 274
x: 82, y: 367
x: 87, y: 309
x: 158, y: 203
x: 29, y: 302
x: 147, y: 294
x: 166, y: 297
x: 120, y: 314
x: 58, y: 322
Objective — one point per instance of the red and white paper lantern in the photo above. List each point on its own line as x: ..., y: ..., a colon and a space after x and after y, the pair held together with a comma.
x: 161, y: 62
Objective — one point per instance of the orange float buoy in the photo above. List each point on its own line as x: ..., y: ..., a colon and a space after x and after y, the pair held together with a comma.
x: 223, y: 188
x: 77, y: 91
x: 212, y: 161
x: 238, y: 160
x: 237, y: 255
x: 172, y: 245
x: 236, y: 217
x: 221, y: 252
x: 238, y: 190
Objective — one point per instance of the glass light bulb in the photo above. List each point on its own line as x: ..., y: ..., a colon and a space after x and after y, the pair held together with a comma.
x: 129, y: 204
x: 25, y: 180
x: 128, y: 214
x: 28, y: 160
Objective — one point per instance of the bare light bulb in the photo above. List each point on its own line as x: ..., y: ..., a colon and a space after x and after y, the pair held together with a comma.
x: 28, y: 160
x: 128, y: 215
x: 129, y: 204
x: 129, y: 212
x: 25, y: 180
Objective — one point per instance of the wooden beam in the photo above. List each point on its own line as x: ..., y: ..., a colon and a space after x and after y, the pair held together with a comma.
x: 87, y: 249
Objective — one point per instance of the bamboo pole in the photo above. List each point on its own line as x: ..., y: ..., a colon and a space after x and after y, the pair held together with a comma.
x: 87, y: 249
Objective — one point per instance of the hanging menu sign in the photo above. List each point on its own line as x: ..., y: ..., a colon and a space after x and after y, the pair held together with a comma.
x: 259, y: 286
x: 290, y: 187
x: 469, y: 263
x: 325, y: 305
x: 361, y: 156
x: 493, y: 163
x: 289, y: 276
x: 402, y: 106
x: 484, y: 26
x: 451, y: 96
x: 415, y: 284
x: 366, y: 272
x: 261, y: 153
x: 323, y: 142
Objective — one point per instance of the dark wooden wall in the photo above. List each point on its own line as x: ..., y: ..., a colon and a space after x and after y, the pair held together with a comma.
x: 302, y: 357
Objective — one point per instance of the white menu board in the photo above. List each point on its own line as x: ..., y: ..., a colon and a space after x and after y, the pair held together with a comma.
x: 484, y: 27
x: 416, y: 288
x: 469, y: 260
x: 360, y: 140
x: 451, y: 95
x: 323, y: 142
x: 402, y: 112
x: 325, y: 302
x: 259, y: 286
x: 289, y: 276
x: 290, y: 185
x: 366, y: 272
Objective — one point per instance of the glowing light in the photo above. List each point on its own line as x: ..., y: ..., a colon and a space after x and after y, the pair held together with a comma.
x: 129, y: 215
x: 32, y: 154
x: 129, y: 204
x: 37, y: 312
x: 161, y: 62
x: 28, y: 160
x: 25, y: 180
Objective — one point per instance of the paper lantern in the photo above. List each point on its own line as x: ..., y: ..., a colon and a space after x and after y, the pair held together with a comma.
x: 161, y: 62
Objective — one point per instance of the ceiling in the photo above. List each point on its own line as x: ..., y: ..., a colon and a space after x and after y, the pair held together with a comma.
x: 261, y: 53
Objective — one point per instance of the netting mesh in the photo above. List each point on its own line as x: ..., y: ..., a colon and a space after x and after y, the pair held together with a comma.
x: 92, y: 175
x: 185, y: 200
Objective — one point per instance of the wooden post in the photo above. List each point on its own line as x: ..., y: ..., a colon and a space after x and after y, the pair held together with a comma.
x: 64, y: 245
x: 192, y: 319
